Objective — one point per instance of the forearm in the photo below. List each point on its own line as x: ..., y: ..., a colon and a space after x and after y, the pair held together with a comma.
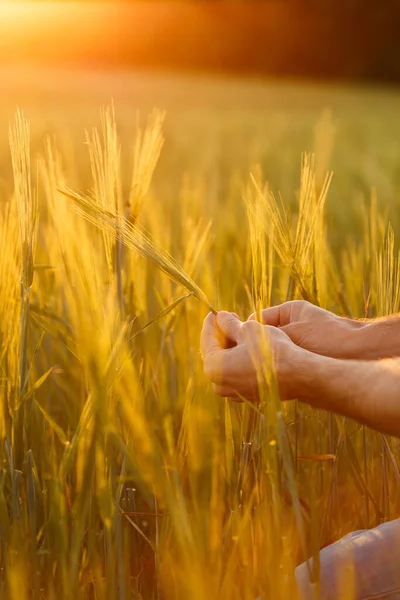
x: 376, y: 339
x: 368, y: 392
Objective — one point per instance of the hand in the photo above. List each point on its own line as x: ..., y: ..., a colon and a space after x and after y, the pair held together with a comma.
x: 235, y: 354
x: 315, y: 329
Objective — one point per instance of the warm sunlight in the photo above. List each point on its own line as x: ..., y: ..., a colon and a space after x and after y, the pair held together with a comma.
x: 82, y: 33
x: 23, y: 10
x: 161, y: 160
x: 31, y: 18
x: 31, y: 30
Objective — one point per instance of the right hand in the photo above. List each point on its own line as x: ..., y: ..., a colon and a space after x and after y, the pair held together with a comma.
x: 315, y: 329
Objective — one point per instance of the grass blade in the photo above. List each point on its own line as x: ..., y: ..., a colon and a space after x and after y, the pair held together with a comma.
x: 162, y: 314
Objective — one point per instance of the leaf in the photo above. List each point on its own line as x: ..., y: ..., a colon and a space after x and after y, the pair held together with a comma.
x: 291, y: 481
x: 391, y: 457
x: 56, y: 329
x: 318, y: 457
x: 56, y: 428
x: 137, y: 528
x: 103, y: 489
x: 229, y: 443
x: 163, y: 313
x: 354, y: 464
x: 37, y: 348
x: 72, y: 448
x: 42, y: 379
x: 36, y: 385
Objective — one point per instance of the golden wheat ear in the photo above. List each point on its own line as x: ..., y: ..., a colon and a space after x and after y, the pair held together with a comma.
x: 137, y: 239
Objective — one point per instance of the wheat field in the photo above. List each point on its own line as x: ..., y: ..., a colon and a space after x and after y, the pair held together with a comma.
x: 122, y: 475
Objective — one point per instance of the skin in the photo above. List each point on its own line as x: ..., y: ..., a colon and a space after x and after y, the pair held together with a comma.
x: 310, y: 349
x: 322, y: 332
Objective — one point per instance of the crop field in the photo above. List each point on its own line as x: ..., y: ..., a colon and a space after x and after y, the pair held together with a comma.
x: 129, y: 204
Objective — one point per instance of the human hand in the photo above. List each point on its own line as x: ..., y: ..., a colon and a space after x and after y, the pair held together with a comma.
x: 236, y: 354
x: 315, y: 329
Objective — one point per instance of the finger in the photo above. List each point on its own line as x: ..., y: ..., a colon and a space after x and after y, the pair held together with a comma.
x: 222, y: 365
x: 224, y: 391
x: 276, y: 316
x: 216, y: 358
x: 230, y: 326
x: 254, y: 316
x: 210, y: 341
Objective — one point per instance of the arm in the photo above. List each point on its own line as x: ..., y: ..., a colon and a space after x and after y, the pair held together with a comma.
x: 322, y: 332
x: 377, y: 339
x: 368, y: 392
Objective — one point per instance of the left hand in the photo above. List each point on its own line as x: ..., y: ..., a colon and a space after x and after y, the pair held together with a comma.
x: 235, y: 354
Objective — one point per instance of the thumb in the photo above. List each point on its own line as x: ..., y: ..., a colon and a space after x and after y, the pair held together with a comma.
x: 230, y: 325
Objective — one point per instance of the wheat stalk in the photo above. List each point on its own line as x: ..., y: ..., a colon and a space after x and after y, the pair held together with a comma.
x: 27, y: 207
x: 137, y: 239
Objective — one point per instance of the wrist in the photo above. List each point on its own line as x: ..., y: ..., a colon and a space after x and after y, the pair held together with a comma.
x: 312, y: 377
x: 298, y: 377
x: 353, y: 346
x: 375, y: 340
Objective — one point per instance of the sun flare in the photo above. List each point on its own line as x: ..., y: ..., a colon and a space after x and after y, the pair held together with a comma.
x: 17, y: 10
x: 49, y: 30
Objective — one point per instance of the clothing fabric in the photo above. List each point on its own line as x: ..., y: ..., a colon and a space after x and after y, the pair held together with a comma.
x: 364, y: 565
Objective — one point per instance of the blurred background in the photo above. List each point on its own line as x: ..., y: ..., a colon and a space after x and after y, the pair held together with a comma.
x: 347, y: 39
x: 241, y: 82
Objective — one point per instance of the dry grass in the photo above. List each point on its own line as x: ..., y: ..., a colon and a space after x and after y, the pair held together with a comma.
x: 122, y: 475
